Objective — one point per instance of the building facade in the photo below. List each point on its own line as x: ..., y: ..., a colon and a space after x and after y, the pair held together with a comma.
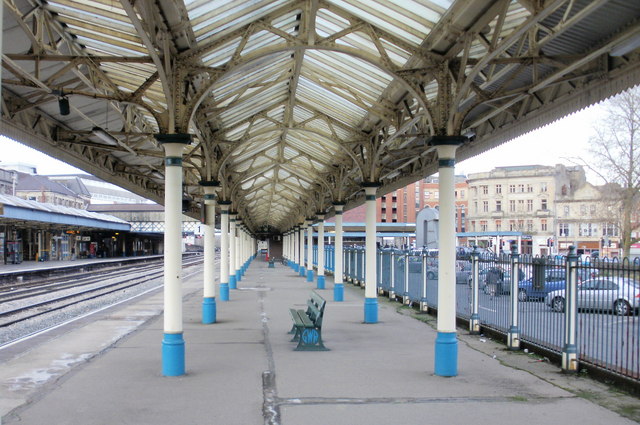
x: 553, y: 207
x: 402, y: 205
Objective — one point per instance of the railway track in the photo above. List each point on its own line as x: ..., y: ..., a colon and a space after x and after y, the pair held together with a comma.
x: 31, y: 301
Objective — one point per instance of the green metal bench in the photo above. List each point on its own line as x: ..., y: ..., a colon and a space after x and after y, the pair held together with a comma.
x: 307, y: 325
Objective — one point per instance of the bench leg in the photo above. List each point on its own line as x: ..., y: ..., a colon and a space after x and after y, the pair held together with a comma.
x: 311, y: 340
x: 296, y: 334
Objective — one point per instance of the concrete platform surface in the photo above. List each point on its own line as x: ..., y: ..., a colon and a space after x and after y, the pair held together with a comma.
x: 106, y: 369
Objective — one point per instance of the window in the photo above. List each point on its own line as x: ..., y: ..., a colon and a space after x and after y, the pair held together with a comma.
x: 498, y: 225
x: 521, y: 188
x: 529, y: 205
x: 498, y: 205
x: 473, y: 226
x: 427, y: 194
x: 566, y: 211
x: 512, y: 188
x: 592, y: 209
x: 529, y: 225
x: 543, y: 187
x: 436, y: 195
x: 529, y: 188
x: 543, y: 225
x: 475, y: 207
x: 543, y: 204
x: 485, y: 189
x: 583, y: 209
x: 512, y: 226
x: 609, y: 229
x: 563, y: 229
x: 520, y: 205
x: 485, y: 206
x: 512, y: 205
x: 587, y: 229
x: 483, y: 226
x: 498, y: 188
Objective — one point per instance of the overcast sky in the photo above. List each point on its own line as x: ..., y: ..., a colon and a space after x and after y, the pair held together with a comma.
x: 549, y: 145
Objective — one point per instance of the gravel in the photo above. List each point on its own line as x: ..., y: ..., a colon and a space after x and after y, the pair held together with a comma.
x: 54, y: 318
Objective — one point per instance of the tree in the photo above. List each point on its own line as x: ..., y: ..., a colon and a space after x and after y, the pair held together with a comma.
x: 615, y: 149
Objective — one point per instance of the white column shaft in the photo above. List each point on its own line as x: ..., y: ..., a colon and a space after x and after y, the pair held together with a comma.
x: 173, y: 241
x: 321, y: 246
x: 370, y: 288
x: 224, y: 244
x: 447, y: 239
x: 338, y: 265
x: 209, y: 249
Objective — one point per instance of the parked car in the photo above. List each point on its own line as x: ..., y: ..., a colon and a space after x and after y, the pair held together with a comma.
x: 620, y: 295
x: 554, y: 279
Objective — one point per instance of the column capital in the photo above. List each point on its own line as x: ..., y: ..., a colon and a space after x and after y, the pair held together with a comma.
x: 338, y: 207
x: 446, y: 140
x: 183, y: 138
x: 446, y: 147
x: 215, y: 184
x: 224, y: 206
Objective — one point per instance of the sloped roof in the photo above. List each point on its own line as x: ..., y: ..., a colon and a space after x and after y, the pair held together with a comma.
x: 35, y: 183
x: 17, y: 208
x: 293, y: 105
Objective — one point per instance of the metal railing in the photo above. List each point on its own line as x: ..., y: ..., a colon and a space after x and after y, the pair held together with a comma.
x: 585, y: 312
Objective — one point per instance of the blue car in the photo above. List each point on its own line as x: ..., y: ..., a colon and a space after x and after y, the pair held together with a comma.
x: 554, y: 279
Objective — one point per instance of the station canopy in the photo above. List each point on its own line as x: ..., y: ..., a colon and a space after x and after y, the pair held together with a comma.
x: 293, y: 105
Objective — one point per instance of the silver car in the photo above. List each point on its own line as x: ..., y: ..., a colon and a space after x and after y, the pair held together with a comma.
x: 620, y: 295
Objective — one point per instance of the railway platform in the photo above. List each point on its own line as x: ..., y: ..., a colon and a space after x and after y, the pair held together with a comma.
x: 106, y: 368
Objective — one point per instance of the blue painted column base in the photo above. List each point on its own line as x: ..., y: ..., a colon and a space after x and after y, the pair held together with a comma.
x: 310, y: 275
x: 238, y: 276
x: 320, y: 282
x: 224, y: 292
x: 303, y: 271
x: 232, y: 282
x: 370, y: 310
x: 173, y: 355
x: 446, y: 361
x: 208, y: 310
x: 338, y: 292
x: 295, y: 267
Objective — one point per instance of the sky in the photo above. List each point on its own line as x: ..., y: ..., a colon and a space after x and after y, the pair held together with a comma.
x: 550, y: 145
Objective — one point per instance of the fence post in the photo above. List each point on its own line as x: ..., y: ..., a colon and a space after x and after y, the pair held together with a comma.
x: 406, y: 300
x: 354, y: 273
x: 570, y: 350
x: 474, y: 322
x: 392, y: 285
x: 424, y: 305
x: 363, y: 265
x: 513, y: 336
x: 379, y: 280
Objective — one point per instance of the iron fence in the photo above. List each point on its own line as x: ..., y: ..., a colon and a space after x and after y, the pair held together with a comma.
x: 528, y: 298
